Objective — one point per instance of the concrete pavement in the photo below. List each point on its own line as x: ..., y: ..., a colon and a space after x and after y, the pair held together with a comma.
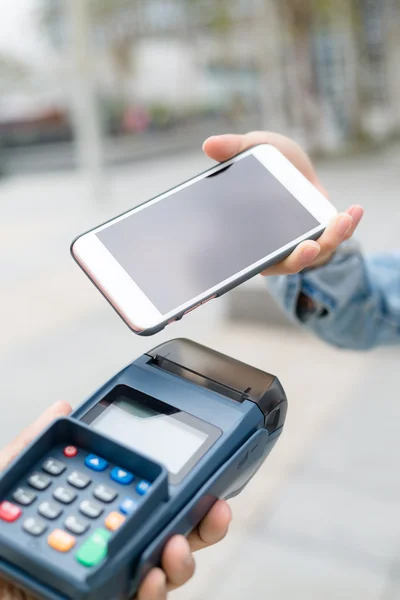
x: 320, y: 519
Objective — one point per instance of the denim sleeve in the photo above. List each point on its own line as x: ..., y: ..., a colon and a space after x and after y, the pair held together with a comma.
x: 357, y: 299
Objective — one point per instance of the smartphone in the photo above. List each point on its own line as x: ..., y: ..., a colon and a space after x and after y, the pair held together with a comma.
x: 168, y: 256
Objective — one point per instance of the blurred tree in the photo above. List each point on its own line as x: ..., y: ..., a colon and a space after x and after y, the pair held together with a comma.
x: 361, y: 96
x: 393, y: 54
x: 309, y: 20
x: 375, y: 48
x: 286, y: 48
x: 218, y: 22
x: 107, y: 22
x: 298, y: 20
x: 121, y: 39
x: 225, y: 20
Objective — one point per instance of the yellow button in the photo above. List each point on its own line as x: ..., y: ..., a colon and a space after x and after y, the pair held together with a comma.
x: 114, y: 520
x: 61, y: 540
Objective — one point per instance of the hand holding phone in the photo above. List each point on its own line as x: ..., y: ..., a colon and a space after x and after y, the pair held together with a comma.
x: 164, y: 258
x: 309, y: 253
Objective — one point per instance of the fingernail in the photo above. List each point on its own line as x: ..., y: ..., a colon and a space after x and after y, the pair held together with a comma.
x: 60, y: 407
x: 352, y: 210
x: 188, y: 560
x: 356, y: 213
x: 229, y: 512
x: 186, y: 555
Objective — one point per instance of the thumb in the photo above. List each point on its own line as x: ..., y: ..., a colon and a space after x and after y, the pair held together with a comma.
x: 11, y: 451
x: 223, y: 147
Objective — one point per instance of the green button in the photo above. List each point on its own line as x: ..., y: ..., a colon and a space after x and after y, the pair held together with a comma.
x: 94, y: 549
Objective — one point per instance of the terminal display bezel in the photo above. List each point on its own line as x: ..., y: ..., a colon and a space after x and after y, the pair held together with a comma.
x: 123, y: 391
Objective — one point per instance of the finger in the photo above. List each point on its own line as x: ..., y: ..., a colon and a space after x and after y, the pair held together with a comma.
x: 7, y: 454
x: 154, y: 586
x: 302, y: 257
x: 223, y: 147
x: 213, y: 528
x: 177, y: 562
x: 356, y: 212
x: 310, y: 253
x: 336, y: 232
x: 314, y: 254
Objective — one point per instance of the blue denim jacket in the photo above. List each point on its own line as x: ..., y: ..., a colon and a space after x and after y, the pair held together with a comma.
x: 357, y: 299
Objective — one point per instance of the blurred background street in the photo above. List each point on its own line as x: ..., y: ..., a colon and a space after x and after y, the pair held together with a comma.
x: 104, y: 108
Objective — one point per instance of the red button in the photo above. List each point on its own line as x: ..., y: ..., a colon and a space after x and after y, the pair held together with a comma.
x: 9, y: 512
x: 70, y: 451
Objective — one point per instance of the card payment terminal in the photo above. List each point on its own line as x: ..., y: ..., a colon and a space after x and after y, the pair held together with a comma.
x: 87, y: 508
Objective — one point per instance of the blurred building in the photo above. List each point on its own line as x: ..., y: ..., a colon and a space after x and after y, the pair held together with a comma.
x: 170, y: 51
x: 325, y: 72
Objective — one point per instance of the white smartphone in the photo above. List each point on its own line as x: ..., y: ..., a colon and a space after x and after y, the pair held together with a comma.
x: 168, y: 256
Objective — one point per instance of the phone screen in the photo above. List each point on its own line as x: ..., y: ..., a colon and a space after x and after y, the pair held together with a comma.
x: 193, y: 240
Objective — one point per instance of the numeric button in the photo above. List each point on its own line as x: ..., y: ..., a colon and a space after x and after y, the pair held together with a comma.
x: 34, y: 526
x: 64, y: 495
x: 24, y: 497
x: 76, y: 525
x: 104, y: 493
x: 39, y: 481
x: 78, y: 480
x: 91, y: 509
x: 53, y: 467
x: 50, y: 510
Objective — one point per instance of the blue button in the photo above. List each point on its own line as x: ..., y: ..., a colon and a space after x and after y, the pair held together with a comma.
x: 142, y: 487
x: 96, y: 463
x: 121, y: 476
x: 128, y: 506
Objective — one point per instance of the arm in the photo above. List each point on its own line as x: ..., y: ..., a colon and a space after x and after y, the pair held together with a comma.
x: 351, y: 302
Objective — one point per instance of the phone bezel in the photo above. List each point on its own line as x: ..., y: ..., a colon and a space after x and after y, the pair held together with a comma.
x: 126, y: 297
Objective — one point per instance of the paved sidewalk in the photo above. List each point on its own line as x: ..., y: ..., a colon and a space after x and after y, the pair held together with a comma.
x: 320, y: 520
